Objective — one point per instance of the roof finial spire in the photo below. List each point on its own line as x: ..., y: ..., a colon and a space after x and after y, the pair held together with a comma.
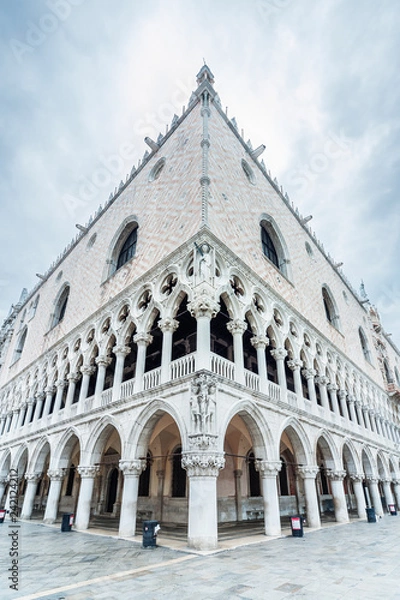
x: 205, y: 75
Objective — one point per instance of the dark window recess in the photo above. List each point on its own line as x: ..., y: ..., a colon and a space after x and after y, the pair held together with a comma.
x: 268, y: 247
x: 178, y: 475
x: 128, y: 250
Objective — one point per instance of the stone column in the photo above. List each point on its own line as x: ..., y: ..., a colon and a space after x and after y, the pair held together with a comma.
x: 322, y: 382
x: 372, y: 420
x: 39, y: 403
x: 378, y: 424
x: 120, y: 352
x: 160, y: 492
x: 49, y: 391
x: 295, y: 366
x: 238, y: 493
x: 357, y: 479
x: 60, y: 384
x: 353, y: 416
x: 30, y: 492
x: 343, y: 404
x: 102, y: 363
x: 310, y: 374
x: 339, y: 497
x: 375, y: 496
x: 279, y: 354
x: 387, y: 491
x: 366, y: 419
x: 202, y: 469
x: 142, y: 340
x: 397, y: 491
x: 87, y: 475
x: 237, y: 328
x: 269, y: 472
x: 203, y: 308
x: 14, y: 419
x: 28, y: 413
x: 56, y: 477
x: 308, y: 474
x: 73, y: 379
x: 131, y: 470
x: 332, y: 389
x: 3, y: 483
x: 260, y: 342
x: 167, y: 326
x: 87, y: 371
x: 359, y: 413
x: 2, y: 425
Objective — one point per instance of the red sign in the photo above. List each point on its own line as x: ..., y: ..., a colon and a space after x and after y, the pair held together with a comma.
x: 296, y: 524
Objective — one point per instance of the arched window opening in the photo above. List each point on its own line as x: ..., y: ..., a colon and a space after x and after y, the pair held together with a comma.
x: 288, y: 371
x: 388, y: 374
x: 184, y: 337
x: 70, y: 481
x: 128, y: 249
x: 110, y: 370
x: 178, y: 475
x: 364, y: 345
x: 268, y: 247
x: 20, y: 344
x: 396, y: 372
x: 254, y: 476
x: 329, y: 307
x: 324, y: 481
x: 221, y: 339
x: 144, y: 479
x: 61, y: 306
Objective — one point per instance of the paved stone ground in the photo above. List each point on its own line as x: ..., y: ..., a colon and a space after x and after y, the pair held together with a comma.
x: 352, y: 562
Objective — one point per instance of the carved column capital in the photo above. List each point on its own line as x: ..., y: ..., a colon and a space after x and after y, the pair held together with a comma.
x: 88, y: 370
x: 259, y: 341
x: 40, y: 396
x: 56, y: 474
x: 321, y: 380
x: 34, y: 477
x: 59, y: 383
x: 88, y: 472
x: 371, y: 479
x: 203, y: 306
x: 121, y: 350
x: 336, y: 475
x: 73, y: 377
x: 357, y: 477
x: 168, y: 325
x: 203, y: 464
x: 308, y: 472
x: 132, y: 467
x: 331, y: 387
x: 50, y: 389
x: 279, y: 353
x: 295, y: 364
x: 236, y: 326
x: 309, y: 373
x: 103, y: 361
x: 267, y: 468
x: 143, y: 338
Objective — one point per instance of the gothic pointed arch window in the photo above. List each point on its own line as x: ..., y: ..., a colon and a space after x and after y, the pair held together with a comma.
x: 61, y: 306
x: 20, y: 344
x: 331, y: 312
x: 364, y: 344
x: 273, y: 244
x: 178, y: 474
x: 123, y: 246
x: 254, y: 476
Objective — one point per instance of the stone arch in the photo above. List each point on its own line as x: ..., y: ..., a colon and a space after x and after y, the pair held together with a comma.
x: 139, y: 435
x: 368, y: 462
x: 382, y: 466
x: 268, y: 223
x: 299, y: 440
x: 39, y: 455
x: 120, y: 236
x: 64, y: 448
x: 5, y: 463
x: 21, y: 458
x: 98, y: 438
x: 328, y: 449
x: 263, y: 442
x: 350, y: 458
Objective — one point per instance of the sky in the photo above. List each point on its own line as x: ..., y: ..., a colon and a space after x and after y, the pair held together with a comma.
x: 84, y: 81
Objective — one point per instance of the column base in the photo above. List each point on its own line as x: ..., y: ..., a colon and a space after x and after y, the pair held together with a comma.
x: 203, y: 543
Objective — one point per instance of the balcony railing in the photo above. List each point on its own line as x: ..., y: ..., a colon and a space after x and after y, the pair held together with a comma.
x: 183, y: 366
x: 152, y: 379
x: 127, y: 388
x: 106, y: 396
x: 222, y: 366
x: 252, y: 380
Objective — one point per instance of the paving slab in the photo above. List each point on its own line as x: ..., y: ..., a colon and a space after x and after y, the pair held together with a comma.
x: 349, y: 562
